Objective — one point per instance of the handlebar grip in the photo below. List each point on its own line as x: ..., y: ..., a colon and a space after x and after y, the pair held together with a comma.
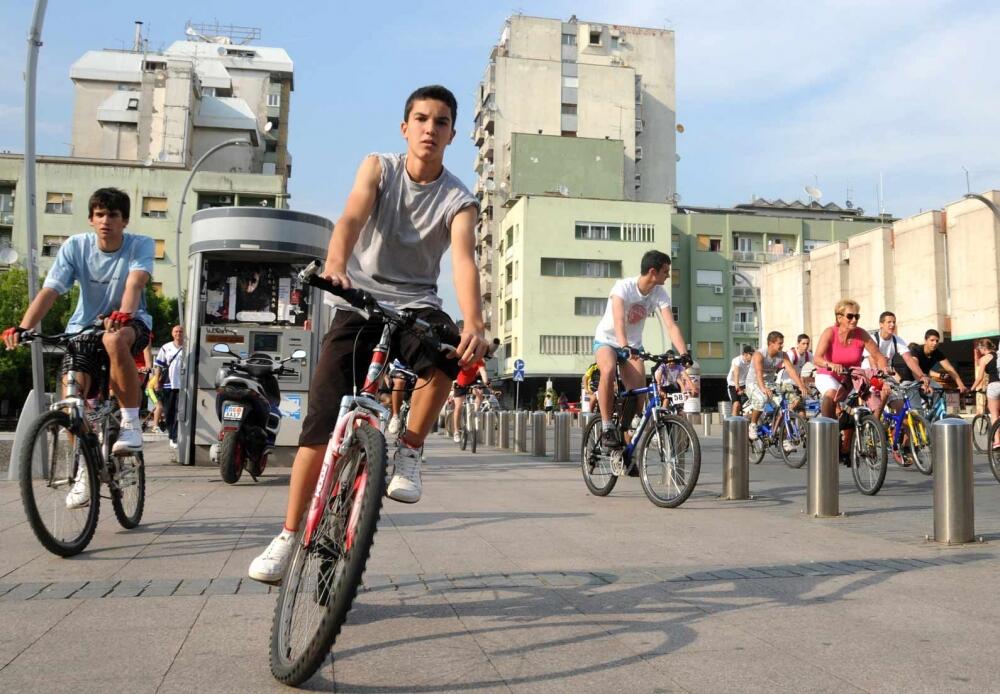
x: 355, y: 297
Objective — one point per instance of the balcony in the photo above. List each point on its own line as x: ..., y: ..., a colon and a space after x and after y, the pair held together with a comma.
x: 744, y: 292
x: 488, y: 148
x: 758, y: 257
x: 744, y: 328
x: 479, y: 136
x: 486, y: 285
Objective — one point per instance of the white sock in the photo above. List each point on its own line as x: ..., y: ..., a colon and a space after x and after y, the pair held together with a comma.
x: 607, y: 426
x: 286, y: 534
x: 130, y: 414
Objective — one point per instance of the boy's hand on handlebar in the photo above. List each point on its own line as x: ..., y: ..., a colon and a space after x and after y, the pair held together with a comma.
x: 12, y: 337
x: 336, y: 274
x: 471, y: 347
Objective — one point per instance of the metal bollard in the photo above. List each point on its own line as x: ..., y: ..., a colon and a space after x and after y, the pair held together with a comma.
x: 706, y: 423
x: 480, y: 428
x: 585, y: 418
x: 953, y: 499
x: 735, y: 459
x: 521, y: 431
x: 504, y: 426
x: 560, y: 442
x: 725, y: 410
x: 538, y: 433
x: 490, y: 425
x: 823, y: 453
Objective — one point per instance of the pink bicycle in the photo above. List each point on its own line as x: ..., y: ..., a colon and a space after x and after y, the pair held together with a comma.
x: 333, y: 545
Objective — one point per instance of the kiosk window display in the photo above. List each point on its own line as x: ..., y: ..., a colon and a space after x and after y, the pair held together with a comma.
x: 254, y: 292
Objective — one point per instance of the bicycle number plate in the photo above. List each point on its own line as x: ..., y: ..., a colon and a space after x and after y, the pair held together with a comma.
x: 233, y: 412
x: 678, y: 398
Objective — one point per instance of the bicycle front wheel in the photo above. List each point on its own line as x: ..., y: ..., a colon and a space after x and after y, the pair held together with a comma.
x: 869, y: 459
x: 919, y: 443
x: 53, y: 464
x: 992, y: 452
x: 758, y: 447
x: 323, y: 579
x: 474, y: 432
x: 794, y: 442
x: 981, y: 432
x: 669, y: 456
x: 595, y: 463
x: 128, y: 490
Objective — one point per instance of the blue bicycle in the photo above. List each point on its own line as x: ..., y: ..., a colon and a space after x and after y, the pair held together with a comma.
x: 783, y: 429
x: 907, y: 430
x: 662, y: 448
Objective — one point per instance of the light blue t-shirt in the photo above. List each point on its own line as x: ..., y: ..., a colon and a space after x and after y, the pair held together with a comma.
x: 101, y: 276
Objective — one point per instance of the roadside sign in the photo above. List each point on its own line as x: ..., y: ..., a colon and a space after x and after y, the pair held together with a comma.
x: 519, y: 364
x: 518, y: 376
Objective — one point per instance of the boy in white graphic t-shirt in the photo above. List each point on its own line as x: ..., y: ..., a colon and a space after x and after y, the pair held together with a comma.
x: 619, y: 333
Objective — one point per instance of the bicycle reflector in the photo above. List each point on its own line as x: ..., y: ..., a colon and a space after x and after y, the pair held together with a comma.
x: 877, y: 383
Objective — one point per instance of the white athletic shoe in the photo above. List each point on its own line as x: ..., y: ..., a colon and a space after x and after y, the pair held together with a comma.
x: 405, y: 483
x: 457, y: 438
x: 173, y: 444
x: 753, y: 432
x: 129, y: 438
x: 79, y: 495
x: 788, y: 446
x: 270, y: 566
x: 393, y: 427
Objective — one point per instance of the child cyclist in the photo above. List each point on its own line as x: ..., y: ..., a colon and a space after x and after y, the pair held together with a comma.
x: 399, y: 218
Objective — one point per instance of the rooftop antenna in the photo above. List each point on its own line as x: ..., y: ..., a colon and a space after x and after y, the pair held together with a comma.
x: 137, y: 42
x: 968, y: 188
x: 881, y: 195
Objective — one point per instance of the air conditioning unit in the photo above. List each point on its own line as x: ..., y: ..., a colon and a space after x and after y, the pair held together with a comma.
x: 638, y: 125
x: 715, y: 319
x: 226, y: 200
x: 718, y: 289
x: 638, y: 153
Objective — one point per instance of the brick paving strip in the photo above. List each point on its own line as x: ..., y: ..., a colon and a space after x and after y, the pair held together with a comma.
x: 229, y: 585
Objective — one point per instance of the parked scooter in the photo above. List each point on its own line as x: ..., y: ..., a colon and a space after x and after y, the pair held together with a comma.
x: 246, y: 403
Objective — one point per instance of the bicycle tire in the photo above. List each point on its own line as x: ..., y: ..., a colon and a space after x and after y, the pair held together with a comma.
x: 980, y: 432
x: 869, y: 458
x: 474, y: 433
x: 682, y: 472
x: 44, y: 495
x: 128, y: 492
x: 591, y: 456
x: 992, y: 453
x: 330, y: 583
x: 919, y: 443
x: 232, y: 457
x: 799, y: 439
x: 757, y: 447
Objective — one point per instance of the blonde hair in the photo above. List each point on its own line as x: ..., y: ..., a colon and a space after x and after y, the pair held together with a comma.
x: 987, y: 345
x: 846, y: 303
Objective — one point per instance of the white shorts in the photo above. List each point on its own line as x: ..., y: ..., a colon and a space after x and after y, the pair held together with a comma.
x: 826, y: 382
x: 993, y: 391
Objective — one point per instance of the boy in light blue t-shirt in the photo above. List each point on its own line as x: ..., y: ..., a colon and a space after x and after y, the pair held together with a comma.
x: 112, y: 269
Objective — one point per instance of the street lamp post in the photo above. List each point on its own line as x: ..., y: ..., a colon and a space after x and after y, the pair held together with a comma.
x: 986, y: 201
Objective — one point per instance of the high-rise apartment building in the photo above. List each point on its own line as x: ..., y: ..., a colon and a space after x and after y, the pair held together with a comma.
x: 571, y: 80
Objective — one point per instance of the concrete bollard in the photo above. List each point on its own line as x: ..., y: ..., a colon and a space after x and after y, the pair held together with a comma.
x: 560, y: 442
x: 951, y: 447
x: 706, y: 423
x: 490, y: 425
x: 735, y: 459
x: 823, y: 453
x: 538, y: 434
x: 504, y: 424
x: 521, y: 431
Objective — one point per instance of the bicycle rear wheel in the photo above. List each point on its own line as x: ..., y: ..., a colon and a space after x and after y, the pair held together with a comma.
x: 594, y: 463
x: 994, y: 453
x: 981, y: 432
x: 869, y: 458
x: 758, y: 447
x: 919, y: 443
x: 128, y: 490
x: 474, y: 432
x: 669, y: 456
x: 796, y: 435
x: 323, y: 579
x: 51, y: 461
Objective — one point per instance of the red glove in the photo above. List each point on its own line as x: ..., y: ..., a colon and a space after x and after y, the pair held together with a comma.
x: 120, y: 317
x: 9, y: 334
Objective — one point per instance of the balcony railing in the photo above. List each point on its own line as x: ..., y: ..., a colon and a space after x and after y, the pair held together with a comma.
x: 7, y: 218
x: 744, y: 328
x: 759, y: 256
x: 744, y: 292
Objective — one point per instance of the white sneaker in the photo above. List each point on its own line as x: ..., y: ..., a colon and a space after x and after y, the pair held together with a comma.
x: 753, y: 432
x: 79, y: 495
x: 173, y: 444
x: 457, y: 438
x: 393, y: 427
x: 270, y: 566
x: 405, y: 483
x: 129, y: 438
x: 788, y: 446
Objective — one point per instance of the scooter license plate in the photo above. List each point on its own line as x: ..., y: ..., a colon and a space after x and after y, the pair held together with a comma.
x: 233, y: 412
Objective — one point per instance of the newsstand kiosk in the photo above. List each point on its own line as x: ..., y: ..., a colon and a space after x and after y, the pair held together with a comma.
x: 243, y: 290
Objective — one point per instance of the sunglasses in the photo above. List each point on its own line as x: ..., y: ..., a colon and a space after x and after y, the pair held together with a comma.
x: 851, y: 316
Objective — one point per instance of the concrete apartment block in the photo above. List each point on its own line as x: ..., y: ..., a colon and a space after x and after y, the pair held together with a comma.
x: 972, y: 233
x: 871, y: 257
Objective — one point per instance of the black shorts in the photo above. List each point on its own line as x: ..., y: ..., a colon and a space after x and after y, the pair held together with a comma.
x: 347, y: 347
x: 735, y: 395
x: 92, y: 359
x: 460, y: 391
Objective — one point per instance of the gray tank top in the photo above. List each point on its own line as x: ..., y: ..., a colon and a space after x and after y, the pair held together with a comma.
x: 398, y: 254
x: 770, y: 366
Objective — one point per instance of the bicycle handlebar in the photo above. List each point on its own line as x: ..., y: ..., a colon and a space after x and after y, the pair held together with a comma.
x: 28, y: 336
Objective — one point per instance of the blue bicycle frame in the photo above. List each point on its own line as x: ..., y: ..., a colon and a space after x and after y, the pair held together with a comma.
x: 897, y: 420
x: 653, y: 403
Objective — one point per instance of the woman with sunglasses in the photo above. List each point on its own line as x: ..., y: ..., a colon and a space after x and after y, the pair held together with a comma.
x: 840, y: 347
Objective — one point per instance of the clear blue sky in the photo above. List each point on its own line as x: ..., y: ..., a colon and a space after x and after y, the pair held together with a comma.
x: 772, y: 95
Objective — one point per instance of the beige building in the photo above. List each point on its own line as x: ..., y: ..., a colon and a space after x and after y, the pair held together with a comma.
x: 939, y: 269
x: 573, y: 79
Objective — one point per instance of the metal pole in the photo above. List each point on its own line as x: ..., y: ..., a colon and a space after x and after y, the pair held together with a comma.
x: 538, y: 434
x: 521, y: 431
x: 823, y: 452
x: 505, y: 441
x: 517, y: 396
x: 480, y: 429
x: 953, y: 498
x: 560, y: 441
x: 490, y: 424
x: 725, y: 409
x: 585, y: 418
x: 706, y: 423
x: 735, y: 459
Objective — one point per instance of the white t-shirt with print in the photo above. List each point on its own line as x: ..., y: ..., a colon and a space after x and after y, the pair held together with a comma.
x: 638, y: 307
x: 742, y: 368
x: 888, y: 346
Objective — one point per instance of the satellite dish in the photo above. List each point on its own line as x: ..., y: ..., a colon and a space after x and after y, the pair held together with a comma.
x: 267, y: 126
x: 677, y: 157
x: 8, y: 255
x: 680, y: 127
x: 814, y: 193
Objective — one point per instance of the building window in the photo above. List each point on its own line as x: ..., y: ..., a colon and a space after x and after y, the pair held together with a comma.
x: 570, y: 82
x: 595, y: 37
x: 155, y: 65
x: 812, y: 244
x: 569, y: 109
x: 7, y: 206
x: 576, y: 267
x: 510, y: 236
x: 675, y: 248
x: 709, y: 350
x: 133, y: 104
x: 705, y: 278
x: 638, y: 181
x: 709, y: 314
x: 676, y: 313
x: 154, y: 207
x: 213, y: 200
x: 590, y: 306
x: 598, y: 231
x: 157, y: 287
x: 638, y: 153
x: 638, y: 233
x: 675, y: 276
x: 569, y: 39
x: 709, y: 243
x: 255, y: 201
x: 514, y: 315
x: 638, y: 89
x: 59, y: 203
x: 743, y: 244
x: 515, y: 269
x: 51, y: 244
x: 274, y: 100
x: 565, y: 344
x: 161, y: 249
